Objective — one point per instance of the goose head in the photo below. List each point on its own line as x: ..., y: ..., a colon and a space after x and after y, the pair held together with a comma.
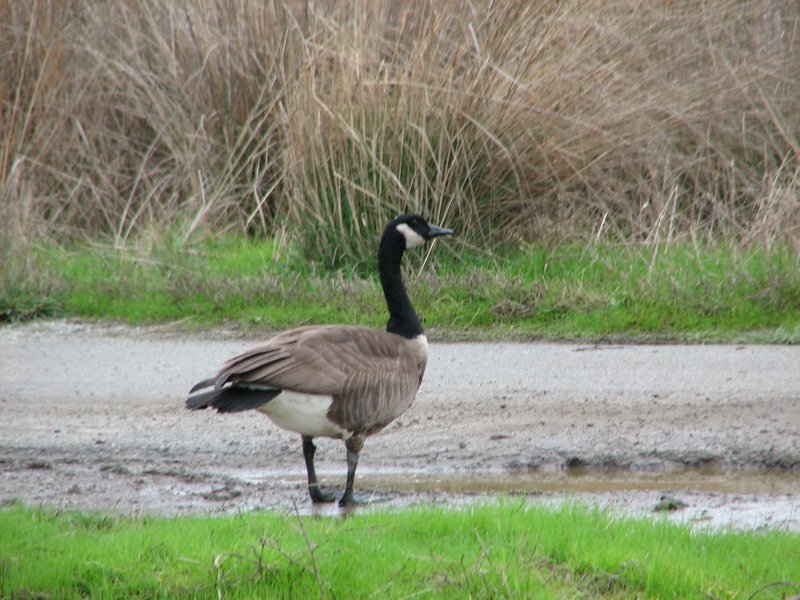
x: 415, y: 230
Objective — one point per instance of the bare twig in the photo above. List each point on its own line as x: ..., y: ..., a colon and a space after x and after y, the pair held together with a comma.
x: 776, y: 584
x: 311, y: 552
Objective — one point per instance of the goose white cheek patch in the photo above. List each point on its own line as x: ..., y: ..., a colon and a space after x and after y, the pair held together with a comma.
x: 412, y: 237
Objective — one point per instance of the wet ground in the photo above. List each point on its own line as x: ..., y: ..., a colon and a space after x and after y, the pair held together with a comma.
x: 92, y: 418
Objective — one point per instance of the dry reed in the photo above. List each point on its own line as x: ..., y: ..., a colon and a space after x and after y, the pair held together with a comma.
x: 630, y: 120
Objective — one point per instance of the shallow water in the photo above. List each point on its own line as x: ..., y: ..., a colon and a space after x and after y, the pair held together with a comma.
x: 742, y: 499
x: 774, y: 482
x: 702, y: 480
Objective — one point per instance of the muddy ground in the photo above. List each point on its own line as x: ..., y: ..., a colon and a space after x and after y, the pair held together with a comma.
x: 92, y: 417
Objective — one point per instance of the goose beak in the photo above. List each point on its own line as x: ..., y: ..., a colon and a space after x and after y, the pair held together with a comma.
x: 438, y: 231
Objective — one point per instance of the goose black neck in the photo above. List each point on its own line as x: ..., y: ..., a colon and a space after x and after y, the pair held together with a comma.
x: 403, y: 320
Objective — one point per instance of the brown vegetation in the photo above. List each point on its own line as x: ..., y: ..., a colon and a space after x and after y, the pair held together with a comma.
x: 635, y: 120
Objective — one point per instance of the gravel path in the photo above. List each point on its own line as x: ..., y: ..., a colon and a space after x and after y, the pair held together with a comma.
x: 92, y: 417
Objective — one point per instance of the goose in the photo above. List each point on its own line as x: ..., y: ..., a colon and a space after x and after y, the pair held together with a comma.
x: 338, y: 381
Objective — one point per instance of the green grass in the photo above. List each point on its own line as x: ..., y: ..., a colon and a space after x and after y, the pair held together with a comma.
x: 680, y: 291
x: 507, y: 549
x: 23, y: 298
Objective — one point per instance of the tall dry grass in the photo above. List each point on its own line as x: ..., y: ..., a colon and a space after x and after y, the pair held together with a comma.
x: 633, y: 120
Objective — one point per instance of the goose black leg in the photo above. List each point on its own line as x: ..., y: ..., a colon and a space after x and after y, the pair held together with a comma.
x: 353, y: 445
x: 314, y: 489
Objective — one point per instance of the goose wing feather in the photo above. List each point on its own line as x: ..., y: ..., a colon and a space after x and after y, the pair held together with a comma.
x: 372, y: 375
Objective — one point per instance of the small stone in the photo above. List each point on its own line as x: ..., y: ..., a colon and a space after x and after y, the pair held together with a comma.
x: 669, y: 504
x: 574, y: 462
x: 40, y: 465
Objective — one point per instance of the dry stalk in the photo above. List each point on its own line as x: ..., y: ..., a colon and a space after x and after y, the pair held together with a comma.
x: 511, y: 121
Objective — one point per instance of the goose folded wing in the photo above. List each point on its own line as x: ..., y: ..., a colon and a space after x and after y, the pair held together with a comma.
x: 330, y: 360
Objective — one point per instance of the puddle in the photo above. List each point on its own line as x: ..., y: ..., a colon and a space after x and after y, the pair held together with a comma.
x: 701, y: 480
x: 742, y: 499
x: 773, y: 482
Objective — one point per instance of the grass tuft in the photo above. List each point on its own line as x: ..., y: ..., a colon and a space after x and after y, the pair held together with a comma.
x: 22, y: 300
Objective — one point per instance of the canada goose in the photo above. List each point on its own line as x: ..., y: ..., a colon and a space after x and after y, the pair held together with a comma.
x: 339, y: 381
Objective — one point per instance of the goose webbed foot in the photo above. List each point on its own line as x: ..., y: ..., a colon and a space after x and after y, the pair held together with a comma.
x: 363, y: 498
x: 319, y: 495
x: 349, y: 500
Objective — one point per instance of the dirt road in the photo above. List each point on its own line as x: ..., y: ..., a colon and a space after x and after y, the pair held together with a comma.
x: 92, y: 417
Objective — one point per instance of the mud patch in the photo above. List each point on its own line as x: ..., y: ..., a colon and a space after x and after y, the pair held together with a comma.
x: 93, y: 418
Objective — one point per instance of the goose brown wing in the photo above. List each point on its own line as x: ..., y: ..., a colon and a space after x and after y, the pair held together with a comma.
x: 332, y: 360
